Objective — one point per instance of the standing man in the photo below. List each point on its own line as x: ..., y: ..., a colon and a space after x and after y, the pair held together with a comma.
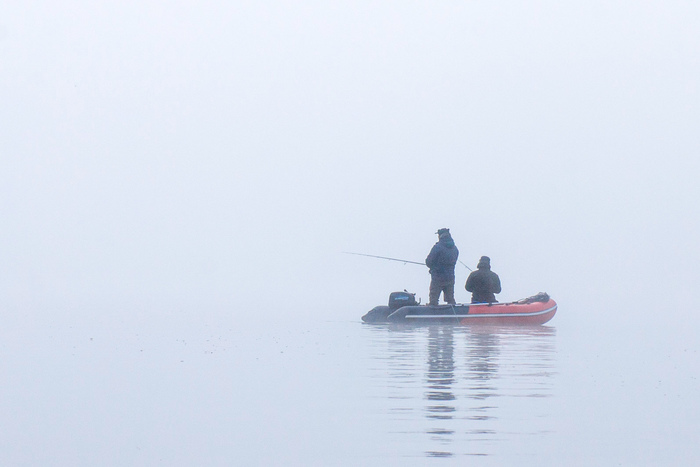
x: 441, y: 261
x: 483, y: 283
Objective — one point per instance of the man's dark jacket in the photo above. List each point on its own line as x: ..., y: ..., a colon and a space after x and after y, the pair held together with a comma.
x: 441, y: 261
x: 483, y: 284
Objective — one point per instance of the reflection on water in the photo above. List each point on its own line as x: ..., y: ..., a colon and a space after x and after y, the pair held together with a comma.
x: 452, y: 391
x: 439, y: 382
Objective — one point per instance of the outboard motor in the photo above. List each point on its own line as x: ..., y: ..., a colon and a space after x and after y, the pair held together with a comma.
x: 399, y: 299
x: 379, y: 314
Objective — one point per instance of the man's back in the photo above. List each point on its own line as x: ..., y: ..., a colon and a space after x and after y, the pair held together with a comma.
x: 442, y: 258
x: 483, y: 283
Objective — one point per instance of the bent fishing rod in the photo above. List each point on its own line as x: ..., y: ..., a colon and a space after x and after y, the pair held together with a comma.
x: 397, y: 259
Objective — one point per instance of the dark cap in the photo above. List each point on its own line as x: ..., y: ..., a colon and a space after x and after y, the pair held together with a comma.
x: 484, y: 261
x: 442, y: 231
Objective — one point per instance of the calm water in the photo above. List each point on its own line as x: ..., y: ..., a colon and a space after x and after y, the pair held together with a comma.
x: 181, y: 389
x: 453, y: 391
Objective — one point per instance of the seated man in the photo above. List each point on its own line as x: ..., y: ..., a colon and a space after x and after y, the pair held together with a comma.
x: 483, y: 283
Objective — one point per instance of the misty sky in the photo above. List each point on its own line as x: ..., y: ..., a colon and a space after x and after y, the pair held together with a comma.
x: 219, y: 153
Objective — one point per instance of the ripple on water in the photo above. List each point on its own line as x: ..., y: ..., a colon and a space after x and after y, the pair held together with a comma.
x: 461, y: 368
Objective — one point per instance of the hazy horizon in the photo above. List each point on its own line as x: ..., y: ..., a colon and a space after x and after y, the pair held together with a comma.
x: 205, y: 162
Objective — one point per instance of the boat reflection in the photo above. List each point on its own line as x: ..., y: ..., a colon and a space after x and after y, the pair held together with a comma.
x: 454, y: 388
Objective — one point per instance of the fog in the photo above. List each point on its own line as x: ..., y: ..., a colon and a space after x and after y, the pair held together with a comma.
x: 208, y: 162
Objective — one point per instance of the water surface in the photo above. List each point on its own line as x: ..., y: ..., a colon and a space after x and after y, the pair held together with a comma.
x: 182, y: 388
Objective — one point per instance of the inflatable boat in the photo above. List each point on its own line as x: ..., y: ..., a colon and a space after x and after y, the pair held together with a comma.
x: 403, y: 308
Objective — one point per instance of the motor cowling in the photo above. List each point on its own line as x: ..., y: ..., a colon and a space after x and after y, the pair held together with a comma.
x: 399, y: 299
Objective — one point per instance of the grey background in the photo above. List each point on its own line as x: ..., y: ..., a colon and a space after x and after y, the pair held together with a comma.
x: 168, y: 165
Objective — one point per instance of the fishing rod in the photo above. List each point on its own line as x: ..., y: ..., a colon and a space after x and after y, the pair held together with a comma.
x: 397, y: 259
x: 384, y: 257
x: 465, y: 265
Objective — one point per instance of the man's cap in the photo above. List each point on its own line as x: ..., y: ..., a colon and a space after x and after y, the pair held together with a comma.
x: 442, y: 231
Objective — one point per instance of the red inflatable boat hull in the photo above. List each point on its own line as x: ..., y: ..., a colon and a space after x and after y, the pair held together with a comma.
x: 511, y: 313
x: 523, y: 312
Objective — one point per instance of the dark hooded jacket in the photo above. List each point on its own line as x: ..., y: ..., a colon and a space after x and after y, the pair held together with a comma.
x: 483, y: 283
x: 442, y: 259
